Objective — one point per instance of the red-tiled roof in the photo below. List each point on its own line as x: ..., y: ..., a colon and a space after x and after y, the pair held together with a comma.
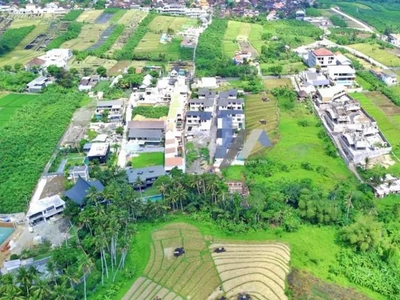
x: 36, y: 62
x: 322, y: 52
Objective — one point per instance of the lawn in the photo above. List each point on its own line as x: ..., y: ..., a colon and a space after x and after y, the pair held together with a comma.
x: 89, y: 16
x: 162, y: 23
x: 384, y: 56
x: 312, y: 249
x: 89, y: 35
x: 19, y: 56
x: 148, y: 159
x: 150, y: 44
x: 10, y: 103
x: 241, y: 31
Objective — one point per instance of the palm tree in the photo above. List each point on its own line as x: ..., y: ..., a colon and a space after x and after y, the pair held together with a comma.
x: 13, y: 294
x: 180, y: 194
x: 86, y: 265
x: 62, y: 292
x: 41, y: 289
x: 52, y: 269
x: 25, y: 278
x: 93, y: 195
x: 139, y: 183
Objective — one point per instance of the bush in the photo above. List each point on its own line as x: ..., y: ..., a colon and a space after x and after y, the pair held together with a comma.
x: 72, y: 15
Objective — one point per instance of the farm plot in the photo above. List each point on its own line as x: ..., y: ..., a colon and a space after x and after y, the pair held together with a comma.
x: 103, y: 18
x: 19, y: 56
x: 150, y: 44
x: 89, y: 16
x: 162, y: 23
x: 190, y: 276
x: 257, y: 269
x: 40, y: 36
x: 237, y: 31
x: 103, y: 38
x: 262, y: 113
x: 90, y: 34
x: 92, y: 62
x: 17, y: 23
x: 10, y: 103
x: 132, y: 17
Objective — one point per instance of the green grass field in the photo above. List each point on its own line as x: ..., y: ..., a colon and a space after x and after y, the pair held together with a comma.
x: 148, y: 159
x: 92, y: 62
x: 162, y: 23
x: 10, y: 103
x: 384, y: 56
x: 245, y: 31
x: 24, y: 22
x: 151, y: 44
x: 39, y: 29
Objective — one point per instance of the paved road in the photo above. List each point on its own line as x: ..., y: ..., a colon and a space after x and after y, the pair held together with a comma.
x: 122, y: 152
x: 364, y: 27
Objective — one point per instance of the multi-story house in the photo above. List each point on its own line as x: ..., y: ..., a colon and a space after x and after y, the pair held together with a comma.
x: 321, y: 57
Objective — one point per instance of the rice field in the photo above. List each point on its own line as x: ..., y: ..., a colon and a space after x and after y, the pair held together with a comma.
x: 19, y: 56
x: 256, y: 269
x: 132, y: 17
x: 151, y: 44
x: 162, y: 23
x: 10, y: 103
x: 256, y: 110
x: 40, y: 28
x: 17, y: 23
x: 91, y: 62
x: 89, y: 35
x: 89, y: 16
x: 240, y: 31
x: 190, y: 276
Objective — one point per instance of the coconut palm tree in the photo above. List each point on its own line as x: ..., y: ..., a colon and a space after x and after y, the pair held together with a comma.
x: 52, y: 270
x: 86, y: 265
x: 62, y: 292
x: 25, y: 278
x: 41, y: 289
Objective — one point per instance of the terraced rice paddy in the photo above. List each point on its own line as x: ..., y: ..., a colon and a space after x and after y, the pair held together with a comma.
x: 191, y: 275
x: 103, y: 18
x: 19, y: 56
x: 24, y: 22
x: 10, y: 103
x: 259, y: 270
x: 89, y: 36
x: 89, y: 16
x: 103, y: 38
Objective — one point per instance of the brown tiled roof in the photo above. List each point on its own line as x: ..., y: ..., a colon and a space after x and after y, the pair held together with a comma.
x: 35, y: 62
x: 173, y: 161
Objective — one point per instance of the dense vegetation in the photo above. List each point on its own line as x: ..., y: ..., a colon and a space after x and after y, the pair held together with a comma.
x: 382, y: 15
x: 126, y: 52
x: 152, y: 112
x: 101, y: 51
x: 210, y: 58
x: 72, y: 15
x: 15, y: 82
x: 27, y: 142
x: 338, y: 21
x: 12, y: 37
x: 73, y: 31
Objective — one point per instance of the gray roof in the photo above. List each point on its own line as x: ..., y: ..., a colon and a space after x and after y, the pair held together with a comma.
x: 144, y: 173
x: 230, y: 93
x: 145, y: 133
x: 204, y: 115
x: 226, y: 134
x: 154, y: 125
x: 227, y: 112
x: 80, y: 190
x: 209, y: 102
x: 206, y: 93
x: 38, y: 81
x: 226, y: 102
x: 110, y: 103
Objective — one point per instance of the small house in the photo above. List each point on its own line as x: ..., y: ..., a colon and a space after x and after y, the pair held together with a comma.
x: 38, y: 84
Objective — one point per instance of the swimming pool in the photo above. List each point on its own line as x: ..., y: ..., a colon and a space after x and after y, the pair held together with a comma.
x: 5, y: 233
x: 153, y: 198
